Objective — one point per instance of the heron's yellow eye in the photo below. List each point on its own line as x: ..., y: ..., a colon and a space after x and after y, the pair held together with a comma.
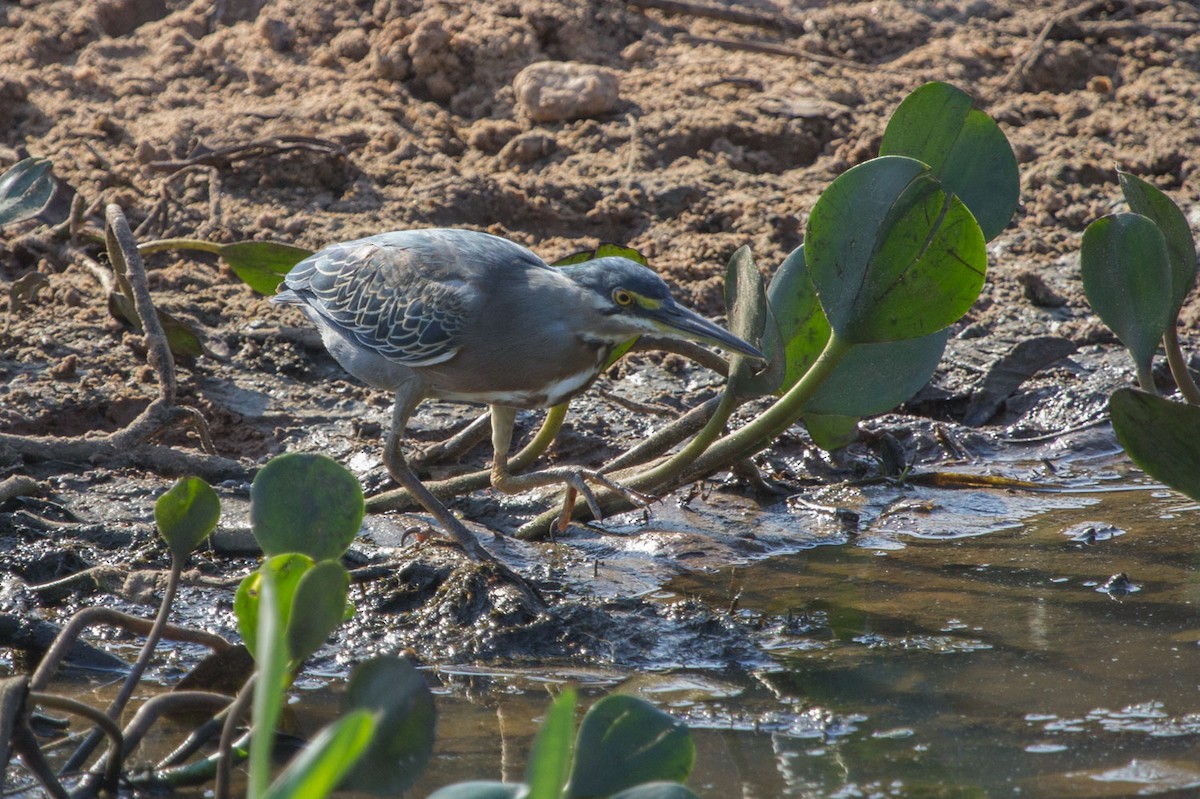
x: 622, y: 297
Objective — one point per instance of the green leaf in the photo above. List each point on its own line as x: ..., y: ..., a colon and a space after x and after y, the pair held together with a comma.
x: 831, y: 432
x: 966, y: 149
x: 750, y: 319
x: 1127, y: 280
x: 875, y: 378
x: 305, y: 502
x: 186, y: 514
x: 318, y: 607
x: 273, y: 677
x: 403, y: 742
x: 656, y: 790
x: 25, y: 189
x: 482, y: 790
x: 182, y: 337
x: 286, y: 571
x: 605, y: 250
x: 891, y: 254
x: 550, y: 759
x: 262, y: 265
x: 316, y: 771
x: 623, y: 742
x: 871, y: 378
x: 803, y: 329
x: 1145, y: 199
x: 1161, y: 436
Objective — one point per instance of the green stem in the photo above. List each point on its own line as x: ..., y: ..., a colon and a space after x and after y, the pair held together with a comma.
x: 1179, y: 367
x: 1145, y: 377
x: 161, y: 245
x: 765, y: 428
x: 546, y: 434
x: 722, y: 453
x: 677, y: 463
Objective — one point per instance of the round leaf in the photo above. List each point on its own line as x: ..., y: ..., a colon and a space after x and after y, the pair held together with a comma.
x: 288, y: 569
x: 1161, y: 436
x: 318, y: 607
x: 1147, y: 200
x: 262, y: 265
x: 1126, y: 277
x: 875, y: 378
x: 831, y: 432
x: 305, y: 502
x: 186, y: 514
x: 963, y: 146
x: 803, y: 329
x: 892, y: 255
x: 403, y: 742
x: 624, y: 742
x: 25, y: 189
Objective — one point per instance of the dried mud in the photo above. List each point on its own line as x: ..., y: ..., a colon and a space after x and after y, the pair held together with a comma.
x: 392, y: 114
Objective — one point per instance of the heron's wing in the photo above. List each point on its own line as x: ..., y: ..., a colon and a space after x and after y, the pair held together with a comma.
x: 405, y: 301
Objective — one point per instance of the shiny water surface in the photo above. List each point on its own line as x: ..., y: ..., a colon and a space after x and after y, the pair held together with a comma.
x: 921, y: 660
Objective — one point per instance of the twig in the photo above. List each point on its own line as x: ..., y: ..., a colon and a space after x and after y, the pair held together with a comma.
x: 224, y: 156
x: 121, y: 240
x: 18, y: 486
x: 754, y: 46
x: 646, y: 408
x: 128, y: 446
x: 103, y: 615
x: 723, y: 13
x: 1015, y: 79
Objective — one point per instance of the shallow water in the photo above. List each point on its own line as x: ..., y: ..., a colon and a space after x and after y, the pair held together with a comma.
x: 952, y: 643
x: 915, y: 662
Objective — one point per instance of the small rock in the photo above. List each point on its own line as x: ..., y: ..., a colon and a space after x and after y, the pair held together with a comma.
x: 119, y: 17
x: 1038, y: 292
x: 351, y: 44
x: 556, y: 91
x: 528, y: 147
x: 277, y: 33
x: 490, y: 135
x: 66, y: 368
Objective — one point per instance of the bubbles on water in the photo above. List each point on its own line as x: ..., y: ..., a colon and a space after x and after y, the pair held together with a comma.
x: 1092, y: 532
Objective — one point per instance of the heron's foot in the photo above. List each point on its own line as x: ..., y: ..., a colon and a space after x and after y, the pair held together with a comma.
x: 576, y: 482
x: 422, y: 533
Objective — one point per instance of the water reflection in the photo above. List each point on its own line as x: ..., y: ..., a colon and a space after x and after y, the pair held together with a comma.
x: 927, y: 659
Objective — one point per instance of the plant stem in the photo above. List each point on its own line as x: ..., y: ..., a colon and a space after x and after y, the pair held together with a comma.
x: 234, y: 713
x: 722, y: 453
x: 1179, y: 367
x: 161, y: 245
x: 769, y: 425
x: 1145, y: 377
x: 80, y: 755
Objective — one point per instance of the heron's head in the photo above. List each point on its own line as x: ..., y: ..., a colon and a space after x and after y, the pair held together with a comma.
x: 633, y: 299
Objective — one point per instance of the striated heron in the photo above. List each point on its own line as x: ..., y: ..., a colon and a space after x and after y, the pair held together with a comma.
x: 461, y: 315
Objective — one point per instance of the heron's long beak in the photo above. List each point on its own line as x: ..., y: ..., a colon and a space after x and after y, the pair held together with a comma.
x: 682, y: 322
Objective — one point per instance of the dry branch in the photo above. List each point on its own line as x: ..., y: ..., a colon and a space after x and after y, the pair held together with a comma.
x: 128, y: 446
